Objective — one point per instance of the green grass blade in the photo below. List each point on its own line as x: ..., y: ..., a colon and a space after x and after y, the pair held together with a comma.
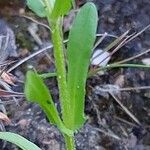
x: 61, y: 8
x: 79, y: 50
x: 36, y: 91
x: 20, y: 141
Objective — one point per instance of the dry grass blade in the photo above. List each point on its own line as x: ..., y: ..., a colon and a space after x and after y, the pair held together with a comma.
x: 133, y: 57
x: 8, y: 88
x: 29, y: 57
x: 133, y: 36
x: 116, y: 89
x: 4, y: 93
x: 139, y: 33
x: 6, y: 63
x: 125, y: 109
x: 115, y: 42
x: 117, y: 48
x: 134, y: 88
x: 128, y: 40
x: 110, y: 46
x: 100, y: 40
x: 109, y: 35
x: 121, y: 43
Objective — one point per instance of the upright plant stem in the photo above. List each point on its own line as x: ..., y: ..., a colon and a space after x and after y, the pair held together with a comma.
x: 61, y: 78
x: 70, y: 143
x: 57, y: 38
x: 60, y: 69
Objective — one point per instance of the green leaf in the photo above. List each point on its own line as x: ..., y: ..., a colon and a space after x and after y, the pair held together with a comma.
x: 81, y: 39
x: 56, y: 8
x: 37, y: 6
x: 36, y: 91
x: 20, y: 141
x: 61, y: 8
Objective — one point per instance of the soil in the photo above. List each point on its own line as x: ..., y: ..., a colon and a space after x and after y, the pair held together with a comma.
x: 109, y: 126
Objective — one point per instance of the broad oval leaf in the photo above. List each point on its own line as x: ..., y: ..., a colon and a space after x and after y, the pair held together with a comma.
x: 36, y: 91
x: 18, y: 140
x: 37, y: 6
x: 61, y: 8
x: 81, y: 39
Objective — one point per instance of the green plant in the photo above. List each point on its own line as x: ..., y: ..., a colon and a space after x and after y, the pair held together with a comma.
x: 20, y: 141
x: 71, y: 82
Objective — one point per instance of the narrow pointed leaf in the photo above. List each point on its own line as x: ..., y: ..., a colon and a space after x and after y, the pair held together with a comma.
x: 18, y: 140
x: 81, y: 40
x: 61, y: 8
x: 36, y: 91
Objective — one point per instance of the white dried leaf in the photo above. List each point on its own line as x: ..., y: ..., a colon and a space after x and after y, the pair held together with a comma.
x: 100, y: 58
x: 146, y: 61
